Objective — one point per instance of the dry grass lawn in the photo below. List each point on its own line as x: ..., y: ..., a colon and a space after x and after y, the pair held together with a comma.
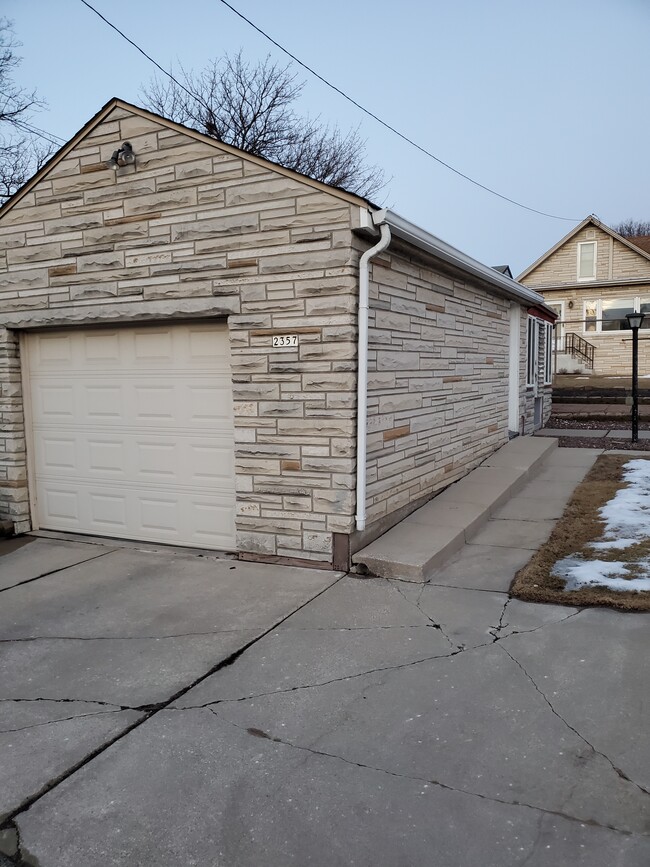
x: 579, y: 526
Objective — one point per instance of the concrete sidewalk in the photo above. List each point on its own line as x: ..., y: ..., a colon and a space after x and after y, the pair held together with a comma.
x: 415, y: 547
x: 605, y: 410
x: 618, y: 434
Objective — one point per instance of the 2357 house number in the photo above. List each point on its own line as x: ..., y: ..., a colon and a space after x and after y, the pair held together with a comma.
x: 285, y: 340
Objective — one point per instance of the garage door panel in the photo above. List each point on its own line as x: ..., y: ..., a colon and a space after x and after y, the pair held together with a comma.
x: 101, y: 402
x: 154, y: 345
x: 108, y: 510
x: 209, y: 463
x: 130, y: 427
x: 58, y: 453
x: 56, y: 403
x: 103, y: 456
x: 177, y: 462
x: 101, y: 346
x: 62, y: 505
x: 212, y: 522
x: 53, y: 351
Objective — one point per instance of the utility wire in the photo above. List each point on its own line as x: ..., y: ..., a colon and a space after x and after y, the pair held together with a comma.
x: 341, y: 93
x: 53, y: 139
x: 387, y: 125
x: 148, y: 56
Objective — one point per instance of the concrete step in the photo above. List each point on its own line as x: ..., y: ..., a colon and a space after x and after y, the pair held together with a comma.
x: 597, y: 410
x: 414, y: 548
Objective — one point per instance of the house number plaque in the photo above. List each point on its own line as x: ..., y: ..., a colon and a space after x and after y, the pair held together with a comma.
x: 285, y: 340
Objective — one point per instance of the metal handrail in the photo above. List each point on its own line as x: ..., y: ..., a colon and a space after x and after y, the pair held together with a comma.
x: 577, y: 346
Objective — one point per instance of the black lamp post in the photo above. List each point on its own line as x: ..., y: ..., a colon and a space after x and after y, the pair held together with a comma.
x: 634, y: 321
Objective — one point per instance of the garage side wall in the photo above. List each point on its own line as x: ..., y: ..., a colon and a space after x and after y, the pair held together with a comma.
x: 438, y: 380
x: 194, y: 223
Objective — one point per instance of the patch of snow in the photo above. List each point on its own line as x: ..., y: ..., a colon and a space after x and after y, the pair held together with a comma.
x: 627, y: 522
x: 616, y: 544
x: 627, y: 514
x: 615, y: 575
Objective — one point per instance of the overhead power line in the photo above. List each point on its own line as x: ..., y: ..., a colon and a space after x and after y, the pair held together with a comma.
x: 342, y: 93
x: 387, y: 125
x: 144, y: 53
x: 53, y: 139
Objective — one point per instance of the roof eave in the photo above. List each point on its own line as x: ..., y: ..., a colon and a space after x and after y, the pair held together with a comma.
x: 498, y: 282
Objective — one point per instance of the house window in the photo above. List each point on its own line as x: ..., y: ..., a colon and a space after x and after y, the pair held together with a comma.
x: 609, y: 314
x: 548, y: 355
x: 591, y: 316
x: 614, y: 311
x: 644, y: 307
x: 558, y: 329
x: 532, y: 345
x: 587, y: 260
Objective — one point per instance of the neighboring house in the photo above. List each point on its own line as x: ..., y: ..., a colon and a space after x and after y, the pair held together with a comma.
x: 592, y: 278
x: 179, y: 352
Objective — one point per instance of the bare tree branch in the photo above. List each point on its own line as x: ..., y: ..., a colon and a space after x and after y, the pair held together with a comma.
x: 20, y: 154
x: 633, y: 228
x: 251, y: 107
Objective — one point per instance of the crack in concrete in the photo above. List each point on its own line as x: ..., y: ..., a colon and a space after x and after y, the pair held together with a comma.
x: 120, y: 637
x: 502, y: 626
x: 458, y: 649
x: 620, y: 773
x: 8, y: 822
x: 110, y: 704
x: 54, y: 571
x: 259, y: 733
x: 358, y: 628
x: 419, y: 608
x: 341, y: 679
x: 59, y: 719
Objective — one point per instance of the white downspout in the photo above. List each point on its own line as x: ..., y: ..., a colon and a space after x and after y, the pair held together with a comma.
x: 362, y: 355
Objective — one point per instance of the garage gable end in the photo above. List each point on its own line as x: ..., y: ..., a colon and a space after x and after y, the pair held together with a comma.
x: 197, y: 231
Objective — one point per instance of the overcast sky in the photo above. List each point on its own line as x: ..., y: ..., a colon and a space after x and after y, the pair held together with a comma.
x: 545, y: 102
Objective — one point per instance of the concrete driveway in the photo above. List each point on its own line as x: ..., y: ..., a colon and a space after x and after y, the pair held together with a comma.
x: 379, y: 724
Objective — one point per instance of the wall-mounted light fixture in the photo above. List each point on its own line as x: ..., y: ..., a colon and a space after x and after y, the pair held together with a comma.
x: 123, y: 156
x: 570, y: 305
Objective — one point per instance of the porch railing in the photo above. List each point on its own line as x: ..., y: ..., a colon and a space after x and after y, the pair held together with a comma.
x: 578, y: 347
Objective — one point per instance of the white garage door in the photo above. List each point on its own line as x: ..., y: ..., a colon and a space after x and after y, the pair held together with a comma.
x: 132, y: 433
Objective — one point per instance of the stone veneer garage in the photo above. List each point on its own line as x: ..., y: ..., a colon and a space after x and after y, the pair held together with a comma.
x: 147, y: 387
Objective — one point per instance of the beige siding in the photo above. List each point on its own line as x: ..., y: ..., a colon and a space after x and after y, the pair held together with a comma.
x: 192, y: 221
x: 615, y: 261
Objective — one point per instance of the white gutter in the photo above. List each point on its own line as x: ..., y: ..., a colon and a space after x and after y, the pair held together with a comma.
x: 379, y: 220
x: 504, y: 285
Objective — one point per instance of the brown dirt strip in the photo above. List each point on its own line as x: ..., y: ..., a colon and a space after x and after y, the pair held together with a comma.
x: 580, y: 525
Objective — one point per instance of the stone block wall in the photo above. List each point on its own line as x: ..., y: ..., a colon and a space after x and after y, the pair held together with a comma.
x: 437, y: 380
x: 194, y: 221
x: 14, y: 504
